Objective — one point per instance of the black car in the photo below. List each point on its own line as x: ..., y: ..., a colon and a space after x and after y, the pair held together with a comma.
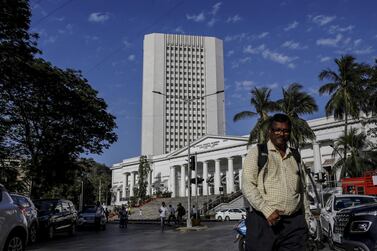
x: 358, y: 226
x: 56, y: 215
x: 30, y: 212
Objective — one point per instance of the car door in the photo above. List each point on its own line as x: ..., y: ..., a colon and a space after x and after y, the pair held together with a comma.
x: 326, y: 213
x: 58, y: 217
x: 237, y: 214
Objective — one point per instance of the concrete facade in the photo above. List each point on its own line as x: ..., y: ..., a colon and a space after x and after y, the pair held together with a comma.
x: 181, y: 68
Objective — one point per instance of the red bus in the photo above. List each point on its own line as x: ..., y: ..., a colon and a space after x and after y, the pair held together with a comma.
x: 367, y: 184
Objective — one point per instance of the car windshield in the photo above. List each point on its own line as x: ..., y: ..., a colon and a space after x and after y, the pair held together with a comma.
x: 45, y: 206
x: 344, y: 202
x: 89, y: 210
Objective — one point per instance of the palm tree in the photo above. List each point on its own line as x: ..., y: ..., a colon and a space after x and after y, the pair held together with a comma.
x: 294, y: 103
x: 260, y: 100
x: 346, y: 88
x: 359, y: 159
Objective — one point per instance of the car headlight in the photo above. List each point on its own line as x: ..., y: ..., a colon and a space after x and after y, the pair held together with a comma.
x: 373, y: 213
x: 360, y: 226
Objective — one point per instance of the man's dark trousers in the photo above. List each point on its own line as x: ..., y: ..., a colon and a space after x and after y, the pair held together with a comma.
x: 289, y: 234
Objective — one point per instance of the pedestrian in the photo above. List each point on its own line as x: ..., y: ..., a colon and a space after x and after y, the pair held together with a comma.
x: 140, y: 212
x: 123, y: 217
x: 98, y: 215
x: 163, y: 213
x: 276, y: 193
x: 171, y: 210
x: 107, y: 214
x: 181, y: 211
x: 194, y: 212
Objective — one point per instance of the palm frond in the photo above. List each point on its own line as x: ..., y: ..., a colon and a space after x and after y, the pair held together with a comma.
x: 243, y: 115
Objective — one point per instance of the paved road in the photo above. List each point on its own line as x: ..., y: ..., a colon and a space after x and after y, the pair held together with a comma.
x: 219, y: 237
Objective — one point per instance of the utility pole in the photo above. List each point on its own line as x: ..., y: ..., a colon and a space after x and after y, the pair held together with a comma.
x: 99, y: 191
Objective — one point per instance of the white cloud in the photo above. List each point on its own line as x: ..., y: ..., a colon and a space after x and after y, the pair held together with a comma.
x: 212, y: 22
x: 293, y: 45
x: 179, y: 30
x: 325, y: 59
x: 337, y: 29
x: 230, y: 53
x: 357, y: 42
x: 126, y: 43
x: 364, y: 51
x: 323, y: 20
x: 68, y: 29
x: 196, y: 18
x: 263, y: 34
x: 244, y: 85
x: 236, y: 18
x: 98, y: 17
x: 330, y: 41
x: 291, y: 26
x: 216, y: 8
x: 239, y: 37
x: 271, y: 55
x: 131, y: 57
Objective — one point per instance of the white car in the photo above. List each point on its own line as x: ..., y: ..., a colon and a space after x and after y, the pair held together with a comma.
x: 334, y: 204
x: 87, y: 218
x: 230, y: 214
x: 13, y: 224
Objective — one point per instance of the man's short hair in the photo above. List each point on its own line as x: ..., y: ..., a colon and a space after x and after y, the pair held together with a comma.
x: 281, y: 118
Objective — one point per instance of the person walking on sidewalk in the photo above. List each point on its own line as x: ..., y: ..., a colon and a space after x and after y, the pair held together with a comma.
x: 172, y: 215
x: 123, y: 217
x: 163, y: 213
x: 276, y: 192
x: 181, y: 211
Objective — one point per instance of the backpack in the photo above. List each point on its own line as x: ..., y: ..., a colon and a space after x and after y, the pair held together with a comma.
x: 263, y: 156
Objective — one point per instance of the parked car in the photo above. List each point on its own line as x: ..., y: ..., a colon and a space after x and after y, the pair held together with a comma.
x: 13, y: 224
x: 230, y: 214
x: 334, y: 204
x: 30, y: 212
x: 56, y: 215
x: 357, y: 227
x: 87, y: 217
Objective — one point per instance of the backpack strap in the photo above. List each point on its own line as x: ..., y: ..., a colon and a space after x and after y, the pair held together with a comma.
x: 262, y: 156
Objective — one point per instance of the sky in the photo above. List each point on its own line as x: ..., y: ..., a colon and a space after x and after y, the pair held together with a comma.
x: 267, y: 43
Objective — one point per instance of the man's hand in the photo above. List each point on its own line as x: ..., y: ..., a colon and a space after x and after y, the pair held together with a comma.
x: 274, y: 217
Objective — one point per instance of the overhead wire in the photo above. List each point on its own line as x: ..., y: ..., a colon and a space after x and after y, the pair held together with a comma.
x: 36, y: 23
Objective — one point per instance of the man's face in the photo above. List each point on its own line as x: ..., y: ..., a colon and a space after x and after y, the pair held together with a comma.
x: 279, y: 133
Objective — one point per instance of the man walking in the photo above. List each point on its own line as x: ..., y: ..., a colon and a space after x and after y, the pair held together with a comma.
x: 276, y: 193
x: 181, y: 211
x: 172, y: 215
x: 163, y: 213
x: 98, y: 215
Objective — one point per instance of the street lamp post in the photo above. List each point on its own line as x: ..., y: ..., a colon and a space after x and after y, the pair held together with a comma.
x: 188, y: 101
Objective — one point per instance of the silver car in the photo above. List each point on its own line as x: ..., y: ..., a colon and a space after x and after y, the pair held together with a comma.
x: 13, y: 224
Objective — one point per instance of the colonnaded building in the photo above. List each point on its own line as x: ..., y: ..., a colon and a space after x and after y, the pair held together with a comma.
x: 219, y: 162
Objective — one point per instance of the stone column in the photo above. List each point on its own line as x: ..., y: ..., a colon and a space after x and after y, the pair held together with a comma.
x: 217, y: 176
x: 205, y: 177
x: 317, y: 157
x: 132, y: 184
x: 182, y: 187
x: 125, y: 179
x: 240, y: 178
x: 118, y: 197
x: 230, y: 178
x: 172, y: 181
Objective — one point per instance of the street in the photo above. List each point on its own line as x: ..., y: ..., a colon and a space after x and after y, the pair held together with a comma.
x: 218, y: 236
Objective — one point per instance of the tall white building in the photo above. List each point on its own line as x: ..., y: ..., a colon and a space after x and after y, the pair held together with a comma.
x: 181, y: 67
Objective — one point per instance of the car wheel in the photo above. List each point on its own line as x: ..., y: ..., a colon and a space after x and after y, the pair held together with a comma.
x: 15, y: 242
x: 227, y: 218
x: 219, y: 218
x: 33, y: 234
x: 50, y: 232
x: 72, y: 229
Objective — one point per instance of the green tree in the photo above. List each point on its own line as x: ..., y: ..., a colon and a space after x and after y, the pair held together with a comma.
x: 144, y: 170
x: 49, y: 116
x: 360, y: 157
x: 260, y: 100
x: 346, y: 88
x: 294, y: 103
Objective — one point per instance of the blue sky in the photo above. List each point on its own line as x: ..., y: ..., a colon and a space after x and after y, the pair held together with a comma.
x: 266, y: 43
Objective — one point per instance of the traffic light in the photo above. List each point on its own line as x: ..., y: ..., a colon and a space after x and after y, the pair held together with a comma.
x: 316, y: 177
x: 200, y: 180
x: 193, y: 162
